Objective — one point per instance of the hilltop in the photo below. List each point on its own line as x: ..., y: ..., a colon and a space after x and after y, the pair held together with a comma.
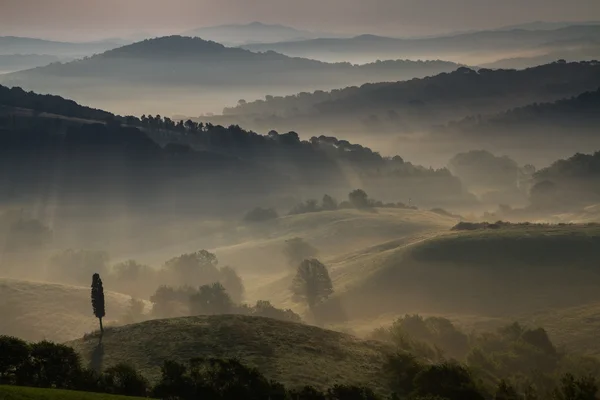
x: 537, y: 133
x: 474, y: 46
x: 352, y: 243
x: 405, y: 107
x: 17, y: 98
x: 584, y: 52
x: 506, y: 271
x: 16, y: 62
x: 254, y: 32
x: 568, y: 184
x: 184, y: 63
x: 38, y: 310
x: 577, y: 114
x: 293, y: 354
x: 26, y: 45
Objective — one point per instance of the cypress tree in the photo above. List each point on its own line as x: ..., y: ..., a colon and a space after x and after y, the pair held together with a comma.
x: 98, y: 299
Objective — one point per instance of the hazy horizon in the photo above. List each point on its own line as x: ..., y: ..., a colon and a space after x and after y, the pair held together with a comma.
x: 97, y: 19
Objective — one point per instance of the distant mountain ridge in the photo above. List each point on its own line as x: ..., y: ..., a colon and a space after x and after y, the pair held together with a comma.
x: 583, y: 52
x: 254, y: 32
x: 16, y: 62
x: 171, y: 56
x: 419, y: 103
x: 184, y: 64
x: 546, y: 25
x: 373, y: 47
x: 25, y: 45
x: 574, y: 113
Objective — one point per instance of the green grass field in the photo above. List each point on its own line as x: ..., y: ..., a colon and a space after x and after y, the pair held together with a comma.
x: 293, y: 354
x: 26, y: 393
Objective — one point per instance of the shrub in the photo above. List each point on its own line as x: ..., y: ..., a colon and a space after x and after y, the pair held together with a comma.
x: 266, y: 309
x: 260, y: 214
x: 209, y: 300
x: 123, y: 379
x: 14, y: 355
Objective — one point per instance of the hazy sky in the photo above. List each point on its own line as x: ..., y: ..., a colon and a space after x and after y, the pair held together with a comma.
x: 84, y: 19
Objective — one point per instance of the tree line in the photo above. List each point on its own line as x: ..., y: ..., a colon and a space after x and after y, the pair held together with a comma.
x: 50, y: 365
x: 357, y: 199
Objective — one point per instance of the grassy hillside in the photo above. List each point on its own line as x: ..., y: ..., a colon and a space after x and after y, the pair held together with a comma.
x: 576, y: 327
x: 505, y: 272
x: 25, y: 393
x: 346, y: 240
x: 585, y: 215
x: 35, y: 310
x: 256, y: 250
x: 339, y: 232
x: 293, y: 354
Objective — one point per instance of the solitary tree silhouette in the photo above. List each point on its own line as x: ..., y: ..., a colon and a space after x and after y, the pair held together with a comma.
x: 98, y: 300
x: 312, y: 283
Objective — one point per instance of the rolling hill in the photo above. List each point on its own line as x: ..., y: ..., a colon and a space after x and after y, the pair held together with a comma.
x: 415, y: 105
x: 181, y: 65
x: 577, y: 114
x: 16, y: 62
x: 500, y: 272
x: 293, y: 354
x: 25, y: 45
x: 352, y: 243
x: 36, y: 310
x: 472, y: 47
x: 583, y: 52
x: 567, y: 185
x: 254, y: 32
x: 537, y: 133
x: 191, y: 154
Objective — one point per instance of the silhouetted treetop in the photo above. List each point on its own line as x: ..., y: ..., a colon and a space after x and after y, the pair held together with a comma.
x: 17, y: 97
x: 427, y: 101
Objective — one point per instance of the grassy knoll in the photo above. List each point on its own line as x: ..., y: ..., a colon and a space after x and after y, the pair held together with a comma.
x: 513, y: 270
x: 293, y: 354
x: 36, y: 310
x: 347, y: 241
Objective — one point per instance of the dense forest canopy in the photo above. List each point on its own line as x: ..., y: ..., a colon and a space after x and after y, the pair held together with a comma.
x: 121, y: 150
x: 18, y: 98
x: 568, y: 184
x: 405, y: 106
x: 577, y: 112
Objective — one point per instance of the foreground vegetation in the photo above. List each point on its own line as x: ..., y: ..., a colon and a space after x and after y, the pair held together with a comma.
x: 27, y: 393
x: 291, y: 353
x: 418, y: 359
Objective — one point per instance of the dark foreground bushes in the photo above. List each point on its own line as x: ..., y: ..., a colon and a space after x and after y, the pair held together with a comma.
x: 50, y: 365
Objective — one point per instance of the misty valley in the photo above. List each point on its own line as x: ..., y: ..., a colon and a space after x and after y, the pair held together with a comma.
x: 255, y: 211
